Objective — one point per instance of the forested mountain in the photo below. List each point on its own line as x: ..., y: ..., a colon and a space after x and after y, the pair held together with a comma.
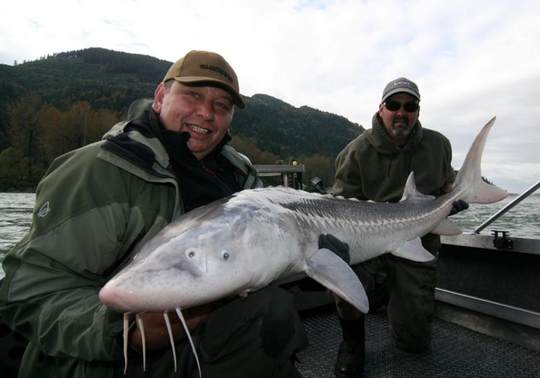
x: 105, y: 79
x: 66, y: 100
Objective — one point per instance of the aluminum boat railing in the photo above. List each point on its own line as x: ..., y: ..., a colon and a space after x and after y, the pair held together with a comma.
x: 508, y: 207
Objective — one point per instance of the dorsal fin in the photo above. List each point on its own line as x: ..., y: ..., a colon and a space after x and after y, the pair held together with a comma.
x: 410, y: 192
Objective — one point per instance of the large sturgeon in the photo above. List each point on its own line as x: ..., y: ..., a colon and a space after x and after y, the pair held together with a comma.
x: 255, y: 237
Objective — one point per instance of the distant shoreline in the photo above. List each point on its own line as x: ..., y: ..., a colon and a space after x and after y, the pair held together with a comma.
x: 19, y: 191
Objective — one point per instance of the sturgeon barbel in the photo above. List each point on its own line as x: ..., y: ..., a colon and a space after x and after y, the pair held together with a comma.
x: 258, y: 236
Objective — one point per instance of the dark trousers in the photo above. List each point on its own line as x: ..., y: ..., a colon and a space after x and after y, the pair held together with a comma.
x: 407, y: 288
x: 253, y: 337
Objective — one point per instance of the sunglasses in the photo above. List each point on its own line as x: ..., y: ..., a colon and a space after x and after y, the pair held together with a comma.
x: 409, y: 107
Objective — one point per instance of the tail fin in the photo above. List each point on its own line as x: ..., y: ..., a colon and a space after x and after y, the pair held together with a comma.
x: 469, y: 179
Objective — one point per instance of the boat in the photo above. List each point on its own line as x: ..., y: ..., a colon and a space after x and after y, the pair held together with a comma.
x: 487, y: 318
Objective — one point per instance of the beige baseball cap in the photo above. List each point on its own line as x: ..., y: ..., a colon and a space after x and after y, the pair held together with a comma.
x: 206, y: 67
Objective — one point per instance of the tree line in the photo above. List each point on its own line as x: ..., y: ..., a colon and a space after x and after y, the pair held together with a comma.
x: 37, y: 132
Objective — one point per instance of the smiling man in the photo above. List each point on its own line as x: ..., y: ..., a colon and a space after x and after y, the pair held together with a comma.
x: 375, y: 166
x: 197, y: 96
x: 107, y: 199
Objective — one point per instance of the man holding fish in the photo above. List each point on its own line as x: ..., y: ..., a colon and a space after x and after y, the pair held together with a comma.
x: 95, y: 208
x: 375, y: 166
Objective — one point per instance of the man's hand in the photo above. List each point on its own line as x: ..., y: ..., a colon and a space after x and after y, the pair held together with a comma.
x: 458, y: 206
x: 332, y: 243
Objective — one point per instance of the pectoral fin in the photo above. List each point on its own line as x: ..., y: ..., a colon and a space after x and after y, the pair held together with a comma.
x: 336, y: 275
x: 413, y: 250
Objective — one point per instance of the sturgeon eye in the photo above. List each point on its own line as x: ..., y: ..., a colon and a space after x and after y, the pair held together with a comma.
x: 225, y: 254
x: 191, y: 254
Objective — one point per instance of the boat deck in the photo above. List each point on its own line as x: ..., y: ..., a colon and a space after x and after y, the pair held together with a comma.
x: 456, y: 351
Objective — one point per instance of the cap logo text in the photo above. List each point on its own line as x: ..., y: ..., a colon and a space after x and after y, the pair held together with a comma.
x: 219, y: 70
x: 402, y: 83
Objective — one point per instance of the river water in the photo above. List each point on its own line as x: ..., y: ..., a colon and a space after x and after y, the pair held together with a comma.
x: 522, y: 221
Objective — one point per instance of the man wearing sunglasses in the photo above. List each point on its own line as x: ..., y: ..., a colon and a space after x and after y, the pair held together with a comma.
x: 375, y: 166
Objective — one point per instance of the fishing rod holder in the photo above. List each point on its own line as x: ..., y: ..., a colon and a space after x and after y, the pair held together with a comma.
x: 501, y: 240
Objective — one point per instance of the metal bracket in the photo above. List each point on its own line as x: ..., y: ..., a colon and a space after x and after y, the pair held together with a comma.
x: 501, y: 240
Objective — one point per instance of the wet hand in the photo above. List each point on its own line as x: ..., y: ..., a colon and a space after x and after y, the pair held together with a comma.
x: 458, y: 206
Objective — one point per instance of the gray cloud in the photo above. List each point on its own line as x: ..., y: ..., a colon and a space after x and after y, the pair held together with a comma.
x: 471, y: 59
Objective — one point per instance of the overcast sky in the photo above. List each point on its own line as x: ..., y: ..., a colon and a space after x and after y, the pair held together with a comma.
x: 471, y: 59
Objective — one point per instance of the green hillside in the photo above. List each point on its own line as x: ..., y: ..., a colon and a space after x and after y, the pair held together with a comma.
x: 66, y: 100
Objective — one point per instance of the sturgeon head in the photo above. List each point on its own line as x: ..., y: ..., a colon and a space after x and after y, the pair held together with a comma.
x: 218, y: 250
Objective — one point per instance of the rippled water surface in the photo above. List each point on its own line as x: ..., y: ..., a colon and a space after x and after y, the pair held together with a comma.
x: 523, y: 220
x: 15, y: 217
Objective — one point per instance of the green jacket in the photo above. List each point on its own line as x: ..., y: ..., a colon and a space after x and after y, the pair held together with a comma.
x: 371, y: 167
x: 94, y: 209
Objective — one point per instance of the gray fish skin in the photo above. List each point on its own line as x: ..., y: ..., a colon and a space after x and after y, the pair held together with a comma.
x: 243, y: 243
